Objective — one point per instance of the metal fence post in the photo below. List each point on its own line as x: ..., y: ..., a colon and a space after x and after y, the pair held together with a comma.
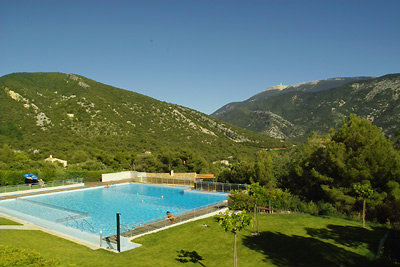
x: 118, y: 233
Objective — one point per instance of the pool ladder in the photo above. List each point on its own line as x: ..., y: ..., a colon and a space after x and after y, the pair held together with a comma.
x: 74, y: 219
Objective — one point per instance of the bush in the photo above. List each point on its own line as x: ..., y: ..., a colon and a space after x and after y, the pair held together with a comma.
x: 12, y: 177
x: 326, y: 208
x: 94, y: 176
x: 309, y: 207
x: 48, y: 174
x: 240, y: 200
x: 280, y: 199
x: 11, y: 257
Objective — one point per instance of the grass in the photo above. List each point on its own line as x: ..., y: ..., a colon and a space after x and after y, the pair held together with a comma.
x: 285, y: 239
x: 4, y: 221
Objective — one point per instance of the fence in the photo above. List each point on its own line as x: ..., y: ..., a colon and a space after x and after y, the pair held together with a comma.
x: 23, y: 187
x: 155, y: 224
x: 218, y: 187
x: 165, y: 180
x: 197, y: 184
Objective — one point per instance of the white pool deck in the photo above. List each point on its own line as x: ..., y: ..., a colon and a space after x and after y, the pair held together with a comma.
x: 39, y: 190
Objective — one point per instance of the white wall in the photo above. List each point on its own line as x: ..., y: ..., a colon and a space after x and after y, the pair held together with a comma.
x: 116, y: 176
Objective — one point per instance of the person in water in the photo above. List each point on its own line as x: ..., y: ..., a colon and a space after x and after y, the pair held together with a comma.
x: 171, y: 217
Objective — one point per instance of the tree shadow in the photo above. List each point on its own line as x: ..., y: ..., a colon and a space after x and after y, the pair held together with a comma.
x: 185, y: 256
x: 284, y: 250
x: 351, y: 236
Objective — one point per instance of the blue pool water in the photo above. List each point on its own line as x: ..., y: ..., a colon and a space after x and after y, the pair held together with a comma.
x: 92, y: 210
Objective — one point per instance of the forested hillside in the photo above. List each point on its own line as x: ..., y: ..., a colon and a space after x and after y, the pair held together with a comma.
x: 97, y: 126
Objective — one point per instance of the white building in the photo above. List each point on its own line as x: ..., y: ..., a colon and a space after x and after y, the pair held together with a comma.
x: 51, y: 159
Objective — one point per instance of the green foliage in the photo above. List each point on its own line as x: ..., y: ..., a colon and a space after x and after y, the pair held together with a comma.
x: 339, y: 168
x: 233, y: 221
x: 281, y: 200
x: 309, y: 207
x: 264, y: 169
x: 325, y: 208
x: 363, y: 191
x: 241, y: 172
x: 257, y: 191
x: 241, y: 200
x: 15, y: 257
x: 97, y: 127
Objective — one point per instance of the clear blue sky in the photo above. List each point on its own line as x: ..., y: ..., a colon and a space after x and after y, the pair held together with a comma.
x: 201, y: 54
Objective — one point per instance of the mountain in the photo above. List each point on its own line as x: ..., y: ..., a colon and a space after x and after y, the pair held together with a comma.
x: 293, y: 112
x: 56, y: 113
x: 313, y: 86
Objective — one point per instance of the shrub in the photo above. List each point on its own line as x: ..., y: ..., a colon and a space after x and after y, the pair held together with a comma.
x: 11, y: 257
x: 240, y: 200
x: 326, y: 208
x: 47, y: 174
x: 12, y: 177
x: 309, y: 207
x: 94, y: 176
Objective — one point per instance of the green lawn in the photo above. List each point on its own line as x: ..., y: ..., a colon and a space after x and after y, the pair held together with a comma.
x: 4, y: 221
x: 290, y: 239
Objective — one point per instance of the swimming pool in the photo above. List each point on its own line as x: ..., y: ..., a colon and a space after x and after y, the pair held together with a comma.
x: 94, y: 209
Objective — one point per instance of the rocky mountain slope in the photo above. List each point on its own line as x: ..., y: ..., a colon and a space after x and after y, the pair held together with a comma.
x: 56, y: 112
x: 293, y: 112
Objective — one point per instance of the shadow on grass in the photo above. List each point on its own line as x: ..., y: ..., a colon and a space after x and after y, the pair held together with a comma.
x: 351, y: 236
x: 185, y: 256
x: 284, y: 250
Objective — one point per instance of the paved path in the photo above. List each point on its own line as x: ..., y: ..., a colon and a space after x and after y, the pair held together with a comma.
x: 19, y: 227
x: 15, y: 194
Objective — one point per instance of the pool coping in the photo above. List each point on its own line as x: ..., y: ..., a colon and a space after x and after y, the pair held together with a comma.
x: 40, y: 190
x: 34, y: 227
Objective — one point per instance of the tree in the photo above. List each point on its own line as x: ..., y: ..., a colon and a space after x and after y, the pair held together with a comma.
x: 257, y: 191
x: 6, y: 154
x: 167, y: 159
x: 234, y: 222
x: 364, y: 192
x: 78, y: 156
x: 131, y: 161
x: 264, y: 169
x: 325, y: 168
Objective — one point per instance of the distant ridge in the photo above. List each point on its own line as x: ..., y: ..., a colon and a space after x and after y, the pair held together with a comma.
x: 296, y: 110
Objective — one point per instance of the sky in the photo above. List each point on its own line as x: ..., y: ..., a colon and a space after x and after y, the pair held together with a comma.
x: 201, y: 54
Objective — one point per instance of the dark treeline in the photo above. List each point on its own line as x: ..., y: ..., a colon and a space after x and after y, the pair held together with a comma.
x: 331, y: 169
